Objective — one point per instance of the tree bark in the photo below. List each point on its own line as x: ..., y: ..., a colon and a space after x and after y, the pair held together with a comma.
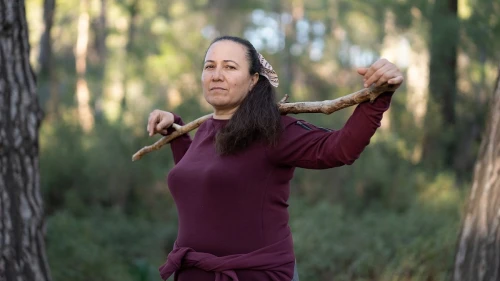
x: 478, y: 252
x: 22, y: 227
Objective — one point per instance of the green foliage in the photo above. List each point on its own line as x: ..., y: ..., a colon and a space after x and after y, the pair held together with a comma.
x: 417, y: 244
x: 110, y: 219
x: 106, y: 245
x: 387, y: 217
x: 96, y: 170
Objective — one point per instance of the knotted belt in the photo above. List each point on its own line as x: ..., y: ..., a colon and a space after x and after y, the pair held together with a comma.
x: 276, y: 260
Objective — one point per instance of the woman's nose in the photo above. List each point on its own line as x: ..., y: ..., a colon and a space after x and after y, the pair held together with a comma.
x: 217, y: 74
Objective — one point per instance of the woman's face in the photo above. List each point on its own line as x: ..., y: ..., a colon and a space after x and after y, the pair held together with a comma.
x: 226, y: 79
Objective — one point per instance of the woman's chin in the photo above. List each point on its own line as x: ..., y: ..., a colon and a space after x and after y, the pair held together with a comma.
x: 218, y: 102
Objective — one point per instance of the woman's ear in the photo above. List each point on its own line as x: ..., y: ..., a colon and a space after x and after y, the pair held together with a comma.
x: 255, y: 79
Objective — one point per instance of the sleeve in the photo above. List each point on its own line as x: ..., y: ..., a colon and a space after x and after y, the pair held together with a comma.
x: 307, y: 146
x: 181, y: 144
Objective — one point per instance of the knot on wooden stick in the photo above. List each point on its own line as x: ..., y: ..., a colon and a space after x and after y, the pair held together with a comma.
x: 375, y: 91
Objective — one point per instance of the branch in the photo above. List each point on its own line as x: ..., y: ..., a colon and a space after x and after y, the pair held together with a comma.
x: 326, y: 107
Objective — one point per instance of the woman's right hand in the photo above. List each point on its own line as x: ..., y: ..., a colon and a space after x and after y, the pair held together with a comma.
x: 159, y: 121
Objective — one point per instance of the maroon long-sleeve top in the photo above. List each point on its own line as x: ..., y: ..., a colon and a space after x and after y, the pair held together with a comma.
x: 233, y: 216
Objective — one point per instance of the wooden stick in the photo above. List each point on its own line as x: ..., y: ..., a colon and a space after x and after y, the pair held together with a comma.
x: 326, y: 107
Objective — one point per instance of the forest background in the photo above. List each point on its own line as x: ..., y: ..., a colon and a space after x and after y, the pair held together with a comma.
x: 395, y: 214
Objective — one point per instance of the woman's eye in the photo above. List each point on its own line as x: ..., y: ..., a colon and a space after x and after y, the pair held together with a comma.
x: 208, y: 66
x: 230, y: 67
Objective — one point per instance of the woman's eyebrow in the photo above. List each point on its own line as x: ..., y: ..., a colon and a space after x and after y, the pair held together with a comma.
x: 223, y: 61
x: 231, y: 61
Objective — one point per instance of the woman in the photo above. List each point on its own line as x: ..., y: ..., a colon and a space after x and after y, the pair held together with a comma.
x: 231, y: 182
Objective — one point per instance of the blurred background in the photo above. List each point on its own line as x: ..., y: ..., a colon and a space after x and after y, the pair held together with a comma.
x: 103, y: 65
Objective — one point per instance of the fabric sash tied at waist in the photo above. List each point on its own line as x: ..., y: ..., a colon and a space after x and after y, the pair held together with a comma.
x: 277, y: 260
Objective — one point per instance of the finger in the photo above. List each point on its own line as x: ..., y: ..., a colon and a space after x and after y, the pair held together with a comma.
x: 385, y: 77
x: 164, y: 132
x: 162, y: 124
x: 376, y: 75
x: 389, y: 74
x: 396, y: 80
x: 153, y: 119
x: 362, y: 70
x: 374, y: 68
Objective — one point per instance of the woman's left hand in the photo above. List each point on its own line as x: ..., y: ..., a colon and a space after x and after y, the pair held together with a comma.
x: 380, y: 72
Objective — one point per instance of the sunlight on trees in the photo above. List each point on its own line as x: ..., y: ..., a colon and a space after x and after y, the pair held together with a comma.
x: 394, y: 215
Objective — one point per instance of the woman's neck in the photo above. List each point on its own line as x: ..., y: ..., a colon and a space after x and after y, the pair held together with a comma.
x: 224, y: 114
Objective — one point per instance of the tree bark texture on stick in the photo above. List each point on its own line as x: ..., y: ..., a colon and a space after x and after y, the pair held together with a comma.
x: 22, y: 230
x: 326, y: 107
x: 478, y: 252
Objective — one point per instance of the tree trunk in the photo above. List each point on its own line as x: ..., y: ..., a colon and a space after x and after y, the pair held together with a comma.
x: 133, y: 9
x: 443, y: 68
x: 441, y: 116
x: 22, y: 226
x: 82, y: 90
x: 223, y: 12
x: 289, y: 62
x: 478, y: 252
x: 288, y: 69
x: 101, y: 32
x: 45, y: 56
x: 47, y: 78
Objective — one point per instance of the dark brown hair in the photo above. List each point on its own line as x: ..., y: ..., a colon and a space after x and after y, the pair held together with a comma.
x: 257, y: 117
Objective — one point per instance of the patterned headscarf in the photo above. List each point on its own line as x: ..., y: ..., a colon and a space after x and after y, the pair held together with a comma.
x: 268, y: 72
